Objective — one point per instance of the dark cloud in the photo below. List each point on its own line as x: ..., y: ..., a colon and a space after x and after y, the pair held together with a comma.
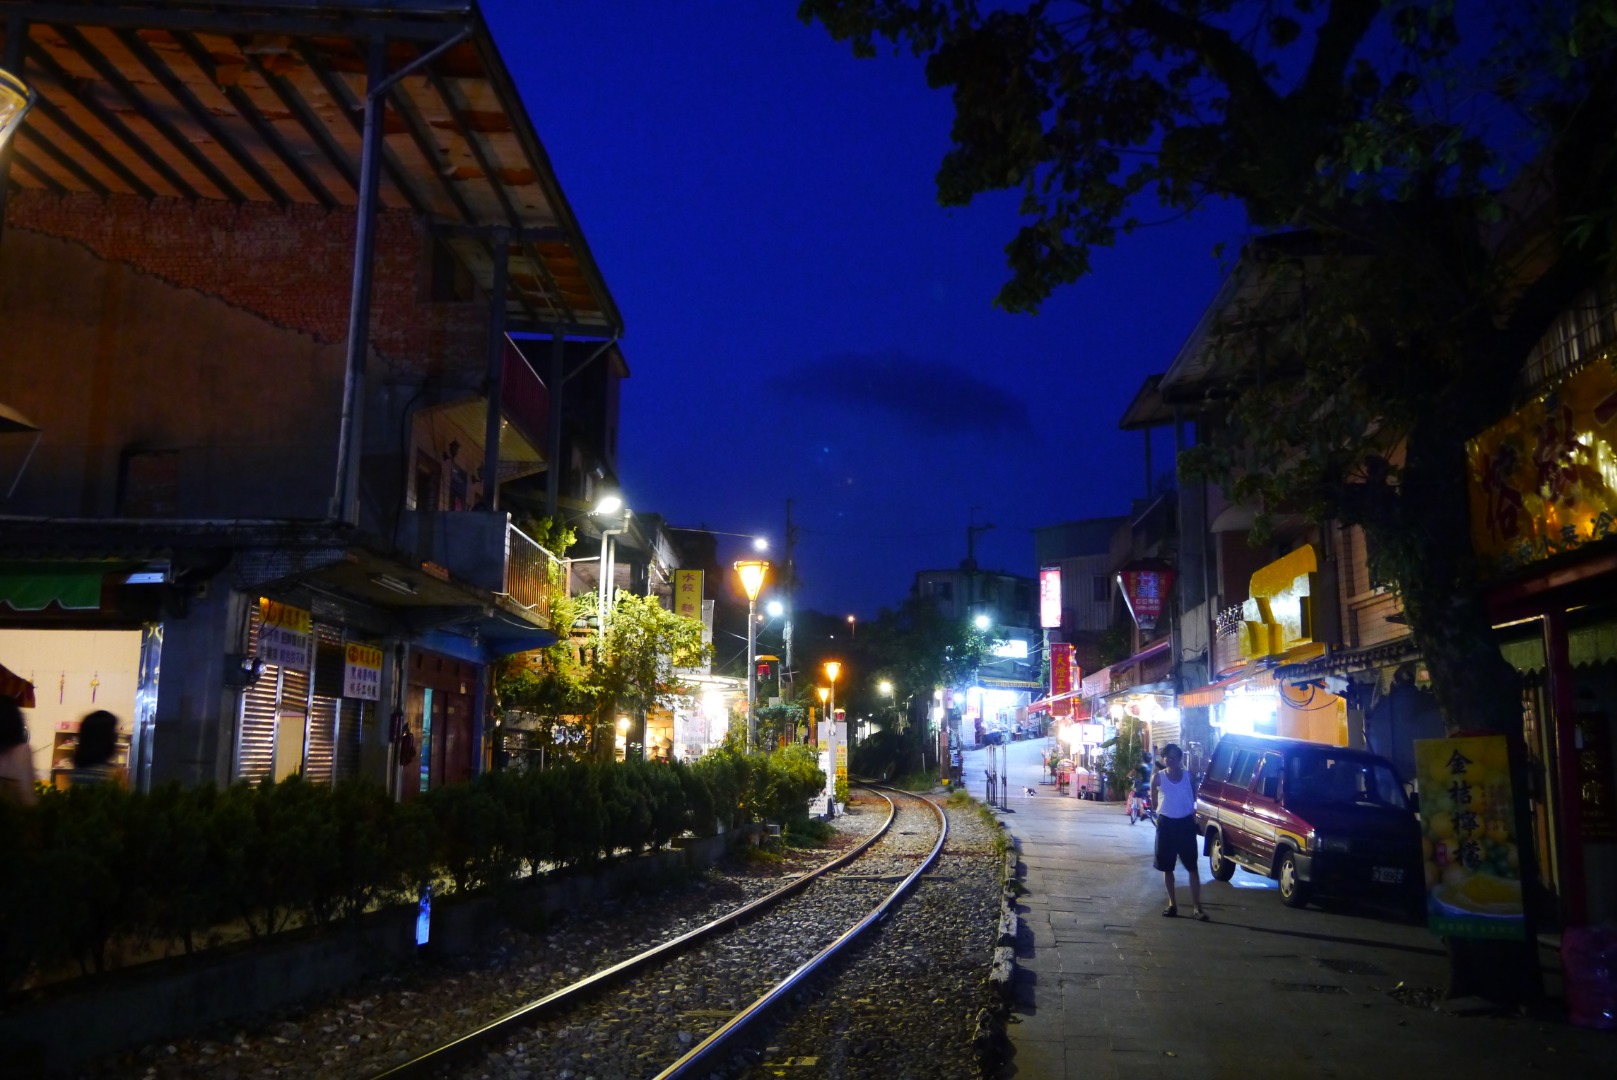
x: 932, y: 397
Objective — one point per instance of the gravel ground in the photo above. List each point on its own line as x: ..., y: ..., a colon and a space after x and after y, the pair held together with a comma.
x: 915, y: 1016
x: 905, y: 1003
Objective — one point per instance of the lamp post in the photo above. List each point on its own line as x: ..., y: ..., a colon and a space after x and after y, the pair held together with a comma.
x: 852, y: 625
x: 824, y: 692
x: 752, y: 573
x: 608, y: 505
x: 832, y: 669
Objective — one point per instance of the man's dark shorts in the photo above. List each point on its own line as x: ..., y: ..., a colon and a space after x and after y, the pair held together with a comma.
x: 1176, y: 838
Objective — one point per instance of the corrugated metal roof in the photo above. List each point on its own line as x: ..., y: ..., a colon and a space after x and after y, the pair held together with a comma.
x: 252, y: 101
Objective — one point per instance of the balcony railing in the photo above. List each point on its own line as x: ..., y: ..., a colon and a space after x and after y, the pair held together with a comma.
x: 486, y: 551
x: 529, y: 570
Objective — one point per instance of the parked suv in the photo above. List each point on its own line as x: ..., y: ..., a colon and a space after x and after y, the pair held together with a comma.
x: 1317, y: 818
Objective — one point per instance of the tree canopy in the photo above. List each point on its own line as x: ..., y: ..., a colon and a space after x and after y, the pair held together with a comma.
x: 1449, y: 171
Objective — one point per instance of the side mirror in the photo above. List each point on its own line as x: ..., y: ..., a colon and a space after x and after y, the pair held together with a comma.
x: 1413, y: 798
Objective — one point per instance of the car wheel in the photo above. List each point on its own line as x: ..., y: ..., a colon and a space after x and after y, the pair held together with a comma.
x: 1293, y: 893
x: 1221, y: 865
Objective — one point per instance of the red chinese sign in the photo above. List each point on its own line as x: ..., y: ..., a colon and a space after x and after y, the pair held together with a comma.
x: 1145, y: 588
x: 1060, y: 678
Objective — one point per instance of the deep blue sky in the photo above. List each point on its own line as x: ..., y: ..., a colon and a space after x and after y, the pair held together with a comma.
x: 804, y: 321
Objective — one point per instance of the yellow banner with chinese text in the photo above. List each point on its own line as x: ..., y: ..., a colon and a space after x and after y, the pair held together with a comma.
x: 1468, y: 826
x: 1543, y: 481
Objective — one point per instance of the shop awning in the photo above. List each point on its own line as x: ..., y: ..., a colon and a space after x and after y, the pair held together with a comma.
x: 1213, y: 693
x: 72, y: 586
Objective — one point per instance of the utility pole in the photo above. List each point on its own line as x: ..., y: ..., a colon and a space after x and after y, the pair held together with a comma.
x: 970, y: 565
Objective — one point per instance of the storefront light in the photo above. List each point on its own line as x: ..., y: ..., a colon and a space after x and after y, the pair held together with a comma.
x: 16, y: 98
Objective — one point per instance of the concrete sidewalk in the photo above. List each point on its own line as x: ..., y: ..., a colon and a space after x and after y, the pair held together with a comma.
x: 1107, y: 987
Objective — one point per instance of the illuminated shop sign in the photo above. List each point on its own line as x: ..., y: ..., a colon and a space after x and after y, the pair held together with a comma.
x: 1050, y: 597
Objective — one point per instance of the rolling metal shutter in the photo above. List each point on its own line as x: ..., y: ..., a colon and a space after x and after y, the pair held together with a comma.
x: 255, y: 737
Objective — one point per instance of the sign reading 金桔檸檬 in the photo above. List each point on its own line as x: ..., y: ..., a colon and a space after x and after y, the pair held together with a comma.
x: 284, y: 635
x: 362, y: 672
x: 1468, y: 825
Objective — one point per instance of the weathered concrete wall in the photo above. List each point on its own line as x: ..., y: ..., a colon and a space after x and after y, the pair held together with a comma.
x: 212, y: 335
x: 170, y: 998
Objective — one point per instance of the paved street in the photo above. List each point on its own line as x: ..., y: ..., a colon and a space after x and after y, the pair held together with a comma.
x: 1107, y: 987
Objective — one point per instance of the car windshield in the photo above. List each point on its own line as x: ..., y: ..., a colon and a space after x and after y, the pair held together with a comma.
x: 1343, y: 778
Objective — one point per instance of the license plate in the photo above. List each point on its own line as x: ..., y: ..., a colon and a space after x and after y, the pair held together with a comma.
x: 1387, y: 875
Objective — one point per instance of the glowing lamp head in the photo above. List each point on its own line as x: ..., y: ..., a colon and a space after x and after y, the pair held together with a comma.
x: 609, y: 504
x: 885, y: 687
x: 982, y: 622
x: 752, y: 573
x: 824, y: 692
x: 16, y: 98
x: 832, y: 670
x: 760, y: 544
x: 775, y: 608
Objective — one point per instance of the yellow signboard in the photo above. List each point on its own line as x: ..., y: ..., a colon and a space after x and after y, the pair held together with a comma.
x: 688, y: 593
x: 1468, y: 822
x: 1279, y: 615
x: 284, y: 634
x: 1543, y: 481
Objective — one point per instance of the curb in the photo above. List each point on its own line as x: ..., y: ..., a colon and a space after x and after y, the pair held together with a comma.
x: 989, y: 1038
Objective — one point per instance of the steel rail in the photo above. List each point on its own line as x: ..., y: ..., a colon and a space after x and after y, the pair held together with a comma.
x: 698, y: 1055
x: 437, y: 1058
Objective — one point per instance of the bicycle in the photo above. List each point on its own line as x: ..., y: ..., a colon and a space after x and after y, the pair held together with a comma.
x: 1139, y: 806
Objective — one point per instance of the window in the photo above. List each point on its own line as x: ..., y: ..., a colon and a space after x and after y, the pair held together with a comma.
x: 1100, y: 588
x: 1269, y: 776
x: 1244, y: 767
x: 943, y: 590
x: 1219, y: 767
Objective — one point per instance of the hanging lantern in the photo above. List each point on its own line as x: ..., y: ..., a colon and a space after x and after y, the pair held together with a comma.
x: 1145, y: 586
x: 16, y: 98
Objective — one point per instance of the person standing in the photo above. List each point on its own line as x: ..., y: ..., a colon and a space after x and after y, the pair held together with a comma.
x: 16, y: 756
x: 1173, y: 793
x: 93, y: 755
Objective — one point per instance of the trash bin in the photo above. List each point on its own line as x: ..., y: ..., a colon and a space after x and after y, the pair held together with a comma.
x: 1589, y: 964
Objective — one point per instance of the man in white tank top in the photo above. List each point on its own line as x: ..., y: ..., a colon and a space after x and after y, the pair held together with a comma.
x: 1173, y: 793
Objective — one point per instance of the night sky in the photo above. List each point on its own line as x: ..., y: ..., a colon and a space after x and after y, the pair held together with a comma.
x: 804, y: 321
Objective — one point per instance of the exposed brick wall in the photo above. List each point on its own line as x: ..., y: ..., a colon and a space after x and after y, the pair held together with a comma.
x: 291, y: 267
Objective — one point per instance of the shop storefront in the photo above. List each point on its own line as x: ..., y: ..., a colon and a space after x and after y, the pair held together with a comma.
x: 1543, y: 504
x: 84, y: 635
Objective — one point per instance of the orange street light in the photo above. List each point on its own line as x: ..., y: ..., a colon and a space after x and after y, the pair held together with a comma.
x: 833, y: 668
x: 752, y: 573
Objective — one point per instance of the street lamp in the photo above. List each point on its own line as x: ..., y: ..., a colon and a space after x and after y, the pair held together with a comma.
x: 752, y: 573
x: 608, y: 505
x: 16, y: 98
x: 850, y: 626
x: 832, y: 670
x: 824, y: 692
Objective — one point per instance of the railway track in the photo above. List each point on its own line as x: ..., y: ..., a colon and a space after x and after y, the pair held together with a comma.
x: 673, y: 1010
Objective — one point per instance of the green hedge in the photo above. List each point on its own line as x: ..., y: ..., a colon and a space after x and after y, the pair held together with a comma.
x: 92, y: 866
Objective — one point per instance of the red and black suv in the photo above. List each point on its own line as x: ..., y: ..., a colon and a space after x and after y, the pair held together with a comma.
x: 1316, y: 818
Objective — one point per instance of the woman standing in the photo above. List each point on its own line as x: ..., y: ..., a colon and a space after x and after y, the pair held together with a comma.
x: 16, y: 756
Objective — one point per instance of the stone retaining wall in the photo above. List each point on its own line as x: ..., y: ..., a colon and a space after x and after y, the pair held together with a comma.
x: 167, y: 999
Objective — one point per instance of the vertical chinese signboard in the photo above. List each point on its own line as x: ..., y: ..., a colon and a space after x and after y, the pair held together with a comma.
x: 1145, y: 588
x: 688, y: 593
x: 1050, y: 597
x: 362, y: 672
x: 1468, y: 822
x: 1060, y: 678
x: 284, y: 635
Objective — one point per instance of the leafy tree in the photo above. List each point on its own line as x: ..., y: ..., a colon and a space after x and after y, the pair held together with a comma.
x: 1387, y: 131
x: 644, y: 643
